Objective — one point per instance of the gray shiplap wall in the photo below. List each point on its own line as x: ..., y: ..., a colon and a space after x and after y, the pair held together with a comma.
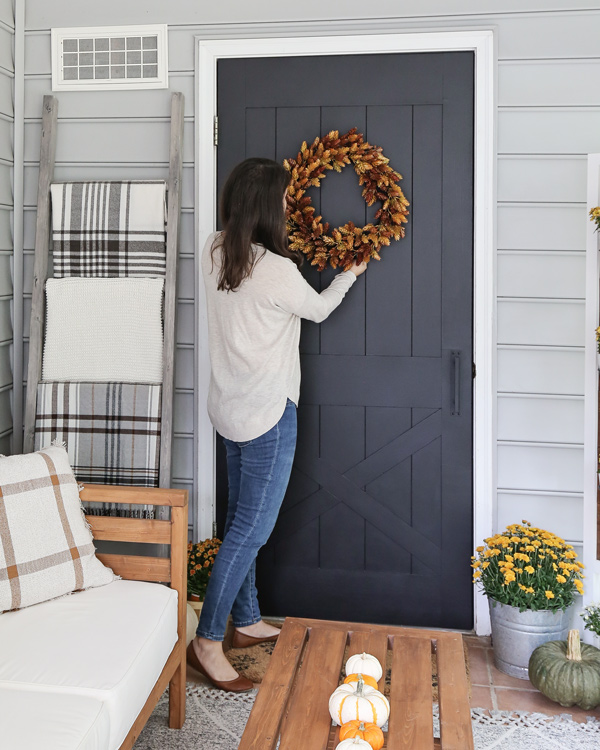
x: 7, y: 74
x: 548, y: 119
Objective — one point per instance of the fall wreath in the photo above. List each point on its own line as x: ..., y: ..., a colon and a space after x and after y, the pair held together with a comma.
x: 347, y: 244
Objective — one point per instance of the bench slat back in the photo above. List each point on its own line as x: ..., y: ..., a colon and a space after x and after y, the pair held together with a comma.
x: 138, y: 567
x: 150, y: 531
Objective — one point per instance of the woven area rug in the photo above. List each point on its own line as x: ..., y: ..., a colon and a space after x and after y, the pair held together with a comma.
x: 216, y: 720
x: 253, y: 662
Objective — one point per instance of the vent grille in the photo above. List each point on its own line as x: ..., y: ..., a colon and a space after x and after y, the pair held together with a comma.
x: 109, y: 58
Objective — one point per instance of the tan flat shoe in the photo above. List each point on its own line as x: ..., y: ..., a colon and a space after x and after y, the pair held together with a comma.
x: 239, y: 685
x: 241, y: 640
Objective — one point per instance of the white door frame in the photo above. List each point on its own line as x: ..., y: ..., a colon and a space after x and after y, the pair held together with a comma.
x: 481, y: 42
x: 590, y: 444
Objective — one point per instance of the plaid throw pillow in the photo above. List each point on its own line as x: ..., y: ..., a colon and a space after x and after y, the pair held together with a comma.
x: 46, y: 548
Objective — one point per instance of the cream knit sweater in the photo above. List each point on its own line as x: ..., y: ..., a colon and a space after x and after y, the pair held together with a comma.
x: 253, y: 336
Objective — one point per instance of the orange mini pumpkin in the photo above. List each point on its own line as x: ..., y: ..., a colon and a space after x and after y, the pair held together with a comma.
x: 364, y: 730
x: 367, y: 679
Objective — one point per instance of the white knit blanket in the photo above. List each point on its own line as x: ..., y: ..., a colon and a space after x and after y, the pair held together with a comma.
x: 104, y: 330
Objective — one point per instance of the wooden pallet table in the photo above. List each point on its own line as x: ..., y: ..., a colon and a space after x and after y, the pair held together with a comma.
x: 292, y: 704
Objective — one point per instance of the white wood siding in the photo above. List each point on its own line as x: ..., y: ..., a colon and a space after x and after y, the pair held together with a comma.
x: 548, y: 119
x: 541, y: 178
x: 535, y: 273
x: 7, y: 33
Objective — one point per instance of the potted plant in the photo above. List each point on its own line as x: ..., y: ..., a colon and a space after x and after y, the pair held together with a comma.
x: 201, y: 558
x: 591, y: 619
x: 531, y: 578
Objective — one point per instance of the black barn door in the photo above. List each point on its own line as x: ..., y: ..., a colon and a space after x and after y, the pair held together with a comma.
x: 377, y: 522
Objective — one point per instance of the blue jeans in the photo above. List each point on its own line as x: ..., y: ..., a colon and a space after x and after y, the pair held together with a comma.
x: 258, y: 472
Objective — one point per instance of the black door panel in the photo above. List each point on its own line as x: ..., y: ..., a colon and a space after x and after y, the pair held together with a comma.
x: 377, y: 522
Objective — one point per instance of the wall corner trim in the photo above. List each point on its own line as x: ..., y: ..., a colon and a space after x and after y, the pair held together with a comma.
x: 18, y: 223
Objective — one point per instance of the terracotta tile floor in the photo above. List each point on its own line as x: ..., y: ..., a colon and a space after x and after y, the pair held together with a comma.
x: 491, y: 688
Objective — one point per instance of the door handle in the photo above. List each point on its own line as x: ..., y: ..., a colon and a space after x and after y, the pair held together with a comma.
x: 456, y: 384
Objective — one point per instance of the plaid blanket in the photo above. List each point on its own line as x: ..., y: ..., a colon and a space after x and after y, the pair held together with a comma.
x: 112, y: 430
x: 109, y: 228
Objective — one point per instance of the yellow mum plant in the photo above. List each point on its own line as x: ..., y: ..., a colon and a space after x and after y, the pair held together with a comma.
x: 528, y: 568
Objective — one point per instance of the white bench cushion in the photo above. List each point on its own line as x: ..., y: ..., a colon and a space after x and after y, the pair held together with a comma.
x: 30, y: 720
x: 109, y: 643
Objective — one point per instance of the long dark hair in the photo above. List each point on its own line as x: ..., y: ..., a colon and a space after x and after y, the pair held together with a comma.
x: 252, y: 213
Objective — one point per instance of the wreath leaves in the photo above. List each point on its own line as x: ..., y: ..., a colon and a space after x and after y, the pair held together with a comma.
x: 347, y: 244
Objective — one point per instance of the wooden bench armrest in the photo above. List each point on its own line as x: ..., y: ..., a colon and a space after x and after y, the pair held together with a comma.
x: 107, y: 493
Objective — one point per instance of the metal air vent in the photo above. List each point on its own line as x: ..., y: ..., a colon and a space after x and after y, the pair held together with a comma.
x: 109, y: 57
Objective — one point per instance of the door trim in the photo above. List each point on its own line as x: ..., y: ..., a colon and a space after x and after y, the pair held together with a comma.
x: 590, y: 445
x: 482, y: 43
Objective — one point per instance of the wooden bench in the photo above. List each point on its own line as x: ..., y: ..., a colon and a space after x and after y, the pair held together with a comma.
x: 292, y: 703
x: 171, y: 570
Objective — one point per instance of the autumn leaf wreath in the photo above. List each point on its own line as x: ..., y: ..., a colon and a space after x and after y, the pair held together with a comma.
x: 347, y: 244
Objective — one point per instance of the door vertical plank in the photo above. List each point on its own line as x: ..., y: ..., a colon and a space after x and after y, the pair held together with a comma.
x: 340, y: 193
x: 308, y: 721
x: 455, y: 716
x: 342, y: 441
x: 262, y: 729
x: 411, y: 716
x: 294, y: 125
x: 260, y: 132
x: 344, y: 332
x: 427, y: 231
x: 231, y: 112
x: 372, y: 642
x: 391, y: 277
x: 456, y: 600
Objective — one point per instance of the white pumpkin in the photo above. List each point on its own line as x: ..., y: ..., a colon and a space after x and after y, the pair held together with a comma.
x: 353, y: 744
x: 365, y: 664
x: 351, y: 701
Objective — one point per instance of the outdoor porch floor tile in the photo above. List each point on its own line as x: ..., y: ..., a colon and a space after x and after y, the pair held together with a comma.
x: 492, y: 689
x: 478, y: 666
x: 481, y: 697
x: 478, y: 641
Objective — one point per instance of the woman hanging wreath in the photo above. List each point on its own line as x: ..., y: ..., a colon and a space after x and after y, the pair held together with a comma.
x: 255, y: 298
x: 347, y: 244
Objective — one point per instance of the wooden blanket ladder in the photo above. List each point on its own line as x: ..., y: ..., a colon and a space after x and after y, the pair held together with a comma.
x: 40, y: 273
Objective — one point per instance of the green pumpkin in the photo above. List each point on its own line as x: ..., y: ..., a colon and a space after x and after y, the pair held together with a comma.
x: 567, y: 672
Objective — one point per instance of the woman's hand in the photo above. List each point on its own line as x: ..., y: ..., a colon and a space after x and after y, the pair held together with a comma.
x: 357, y: 269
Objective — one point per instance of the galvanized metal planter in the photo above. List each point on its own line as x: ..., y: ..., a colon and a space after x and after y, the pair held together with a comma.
x: 516, y: 634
